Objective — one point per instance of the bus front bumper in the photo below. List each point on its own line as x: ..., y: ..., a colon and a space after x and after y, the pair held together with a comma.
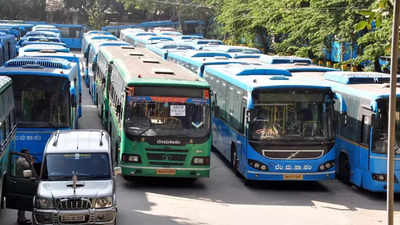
x: 370, y: 184
x: 276, y: 176
x: 92, y: 216
x: 130, y: 170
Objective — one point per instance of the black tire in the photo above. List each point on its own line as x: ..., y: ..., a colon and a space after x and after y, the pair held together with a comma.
x: 344, y: 169
x: 128, y: 178
x: 116, y: 153
x: 234, y: 161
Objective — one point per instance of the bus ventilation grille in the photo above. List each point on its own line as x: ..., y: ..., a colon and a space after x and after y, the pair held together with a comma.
x: 44, y: 62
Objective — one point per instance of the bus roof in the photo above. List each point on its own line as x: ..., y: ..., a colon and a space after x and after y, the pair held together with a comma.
x: 39, y: 66
x: 358, y: 77
x: 113, y: 52
x: 250, y: 77
x: 276, y: 59
x: 301, y: 67
x: 43, y: 47
x: 141, y: 66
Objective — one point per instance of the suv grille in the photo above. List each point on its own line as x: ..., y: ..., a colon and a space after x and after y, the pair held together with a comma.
x: 73, y: 203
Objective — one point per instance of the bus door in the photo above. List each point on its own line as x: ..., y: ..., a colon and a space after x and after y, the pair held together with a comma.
x: 21, y: 182
x: 242, y: 141
x: 365, y: 119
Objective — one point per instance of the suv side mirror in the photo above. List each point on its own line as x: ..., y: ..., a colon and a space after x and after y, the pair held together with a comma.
x: 117, y: 171
x: 27, y: 173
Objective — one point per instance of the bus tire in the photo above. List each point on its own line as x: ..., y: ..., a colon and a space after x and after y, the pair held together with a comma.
x: 116, y: 153
x: 128, y: 178
x: 344, y: 169
x: 234, y: 160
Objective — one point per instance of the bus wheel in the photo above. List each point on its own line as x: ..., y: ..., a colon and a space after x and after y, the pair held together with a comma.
x: 344, y: 170
x: 128, y: 178
x: 235, y: 161
x: 116, y: 153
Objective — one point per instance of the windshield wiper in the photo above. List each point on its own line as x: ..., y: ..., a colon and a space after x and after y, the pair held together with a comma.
x: 140, y: 134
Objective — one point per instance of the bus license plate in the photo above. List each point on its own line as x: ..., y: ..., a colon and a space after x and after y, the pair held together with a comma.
x: 166, y: 172
x: 293, y: 176
x: 73, y: 218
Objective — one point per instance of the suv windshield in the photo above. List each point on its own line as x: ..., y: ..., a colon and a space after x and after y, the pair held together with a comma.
x: 87, y: 166
x: 283, y: 116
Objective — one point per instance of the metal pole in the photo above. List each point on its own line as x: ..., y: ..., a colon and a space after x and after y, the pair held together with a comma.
x: 392, y: 114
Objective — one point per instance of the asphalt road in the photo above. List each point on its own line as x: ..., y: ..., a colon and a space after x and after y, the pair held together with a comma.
x: 223, y: 199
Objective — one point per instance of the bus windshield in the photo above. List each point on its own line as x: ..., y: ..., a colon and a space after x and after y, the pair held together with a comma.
x: 380, y: 131
x: 86, y: 166
x: 167, y: 119
x: 282, y: 116
x: 41, y: 101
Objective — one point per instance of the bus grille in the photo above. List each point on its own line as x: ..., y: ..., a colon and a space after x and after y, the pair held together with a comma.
x: 73, y: 203
x: 293, y: 154
x: 166, y: 158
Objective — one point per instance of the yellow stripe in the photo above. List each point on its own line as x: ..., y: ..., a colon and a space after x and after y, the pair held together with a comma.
x: 365, y: 147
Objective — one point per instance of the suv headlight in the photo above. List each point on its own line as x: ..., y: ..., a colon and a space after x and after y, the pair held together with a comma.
x: 104, y: 202
x: 44, y: 203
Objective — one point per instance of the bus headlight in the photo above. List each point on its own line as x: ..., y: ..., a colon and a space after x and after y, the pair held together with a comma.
x: 326, y: 165
x: 131, y: 158
x: 44, y: 203
x: 201, y: 161
x: 257, y: 165
x: 104, y: 202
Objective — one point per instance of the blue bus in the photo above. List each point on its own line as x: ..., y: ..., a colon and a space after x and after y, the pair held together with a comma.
x: 9, y: 46
x: 162, y: 48
x: 271, y: 126
x: 123, y: 33
x: 42, y: 47
x: 67, y: 56
x: 362, y: 127
x: 137, y: 39
x: 87, y: 39
x: 201, y: 43
x: 11, y: 29
x: 71, y: 34
x: 45, y: 98
x: 276, y: 59
x: 7, y: 127
x: 41, y: 33
x: 143, y: 41
x: 91, y: 33
x: 193, y: 60
x: 92, y: 64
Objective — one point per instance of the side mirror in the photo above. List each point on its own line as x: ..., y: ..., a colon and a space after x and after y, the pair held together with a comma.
x: 117, y: 171
x: 73, y: 100
x: 248, y: 116
x: 27, y: 173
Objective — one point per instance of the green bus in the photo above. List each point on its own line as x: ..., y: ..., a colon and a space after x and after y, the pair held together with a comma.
x: 105, y: 59
x: 159, y: 117
x: 7, y: 127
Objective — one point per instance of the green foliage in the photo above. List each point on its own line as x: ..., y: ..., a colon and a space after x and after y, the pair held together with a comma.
x: 23, y: 9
